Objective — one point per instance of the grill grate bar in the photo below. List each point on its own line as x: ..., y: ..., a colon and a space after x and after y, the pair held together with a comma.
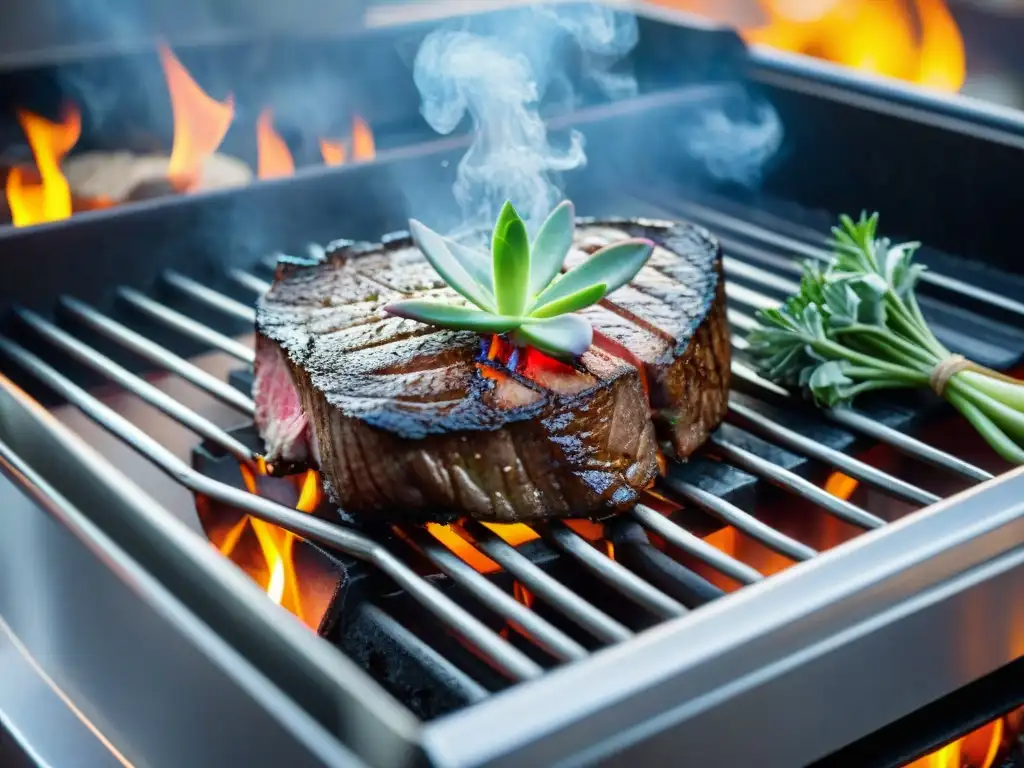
x: 551, y: 639
x: 624, y: 580
x: 542, y: 585
x: 612, y: 573
x: 820, y: 253
x: 743, y: 322
x: 248, y: 280
x: 136, y: 385
x: 747, y: 523
x: 503, y: 655
x: 187, y: 326
x: 694, y: 545
x: 759, y: 423
x: 158, y: 355
x: 865, y: 425
x: 749, y: 297
x: 777, y: 475
x: 210, y: 297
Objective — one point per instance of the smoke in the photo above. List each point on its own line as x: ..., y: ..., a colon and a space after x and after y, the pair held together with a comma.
x: 500, y: 76
x: 732, y: 135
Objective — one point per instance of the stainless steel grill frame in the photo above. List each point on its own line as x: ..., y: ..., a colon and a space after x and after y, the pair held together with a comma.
x: 803, y: 662
x: 738, y: 639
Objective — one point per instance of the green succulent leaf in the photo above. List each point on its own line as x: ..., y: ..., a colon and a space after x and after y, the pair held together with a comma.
x: 550, y: 246
x: 511, y: 264
x: 614, y: 266
x: 448, y: 267
x: 476, y: 263
x: 449, y: 316
x: 574, y: 302
x: 565, y: 336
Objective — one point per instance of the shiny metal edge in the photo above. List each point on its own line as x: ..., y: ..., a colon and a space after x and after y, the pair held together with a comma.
x: 788, y: 670
x: 877, y: 93
x: 185, y: 580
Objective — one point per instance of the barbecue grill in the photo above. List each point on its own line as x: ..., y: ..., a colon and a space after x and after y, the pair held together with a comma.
x: 811, y: 577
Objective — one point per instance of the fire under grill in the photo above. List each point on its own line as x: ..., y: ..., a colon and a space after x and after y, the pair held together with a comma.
x: 811, y: 574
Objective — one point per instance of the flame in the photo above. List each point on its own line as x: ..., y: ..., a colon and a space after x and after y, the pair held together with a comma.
x: 277, y: 544
x: 914, y: 40
x: 200, y: 122
x: 49, y: 198
x: 272, y: 156
x: 362, y: 140
x: 978, y: 749
x: 363, y: 147
x: 333, y: 152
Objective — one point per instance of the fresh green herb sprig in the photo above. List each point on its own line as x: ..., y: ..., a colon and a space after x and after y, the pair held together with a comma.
x: 855, y: 326
x: 520, y: 289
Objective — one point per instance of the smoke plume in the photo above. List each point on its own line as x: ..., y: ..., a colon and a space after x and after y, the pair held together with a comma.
x: 500, y: 76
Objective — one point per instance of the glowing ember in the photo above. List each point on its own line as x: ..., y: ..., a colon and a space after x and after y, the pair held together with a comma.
x: 200, y: 123
x: 273, y: 159
x: 841, y: 485
x: 49, y: 198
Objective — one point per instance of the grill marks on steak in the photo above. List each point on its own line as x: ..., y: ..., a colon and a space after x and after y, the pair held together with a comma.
x: 408, y: 420
x: 671, y: 318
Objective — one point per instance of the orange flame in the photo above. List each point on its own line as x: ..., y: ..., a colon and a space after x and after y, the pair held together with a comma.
x: 978, y: 749
x: 362, y: 140
x: 49, y: 198
x: 333, y: 152
x: 363, y: 147
x: 273, y: 159
x: 913, y: 40
x: 200, y: 122
x: 276, y: 543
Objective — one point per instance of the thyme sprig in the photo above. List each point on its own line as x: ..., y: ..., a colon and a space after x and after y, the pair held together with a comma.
x: 520, y: 289
x: 855, y: 326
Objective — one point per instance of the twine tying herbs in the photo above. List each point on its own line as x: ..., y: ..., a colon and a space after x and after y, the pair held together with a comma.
x: 947, y: 369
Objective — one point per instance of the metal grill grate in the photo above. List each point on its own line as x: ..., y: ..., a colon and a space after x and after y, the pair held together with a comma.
x: 743, y: 262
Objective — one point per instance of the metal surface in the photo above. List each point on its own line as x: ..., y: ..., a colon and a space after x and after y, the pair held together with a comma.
x: 139, y: 637
x: 546, y: 636
x: 852, y: 625
x: 58, y: 31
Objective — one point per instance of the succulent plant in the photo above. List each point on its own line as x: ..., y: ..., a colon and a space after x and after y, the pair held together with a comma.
x: 520, y: 290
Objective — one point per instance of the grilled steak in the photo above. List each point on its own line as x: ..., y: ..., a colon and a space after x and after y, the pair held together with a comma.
x: 406, y: 420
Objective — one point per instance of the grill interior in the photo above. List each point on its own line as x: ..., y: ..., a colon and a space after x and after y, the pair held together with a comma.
x: 144, y: 349
x: 775, y: 486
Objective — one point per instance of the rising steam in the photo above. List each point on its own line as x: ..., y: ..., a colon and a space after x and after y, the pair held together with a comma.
x: 499, y: 77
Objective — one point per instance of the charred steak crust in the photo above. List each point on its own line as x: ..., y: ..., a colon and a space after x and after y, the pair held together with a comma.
x: 408, y: 420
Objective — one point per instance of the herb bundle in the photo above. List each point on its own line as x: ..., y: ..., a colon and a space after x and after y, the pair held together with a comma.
x: 519, y: 289
x: 855, y: 326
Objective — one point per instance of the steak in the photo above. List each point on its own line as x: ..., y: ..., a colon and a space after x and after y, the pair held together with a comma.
x: 409, y: 421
